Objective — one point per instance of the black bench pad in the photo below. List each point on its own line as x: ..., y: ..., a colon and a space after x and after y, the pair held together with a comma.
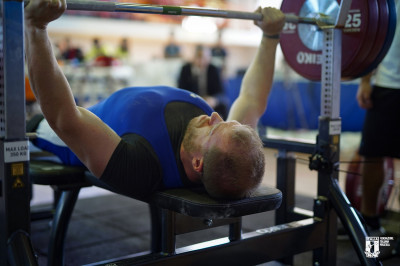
x: 48, y: 172
x: 197, y: 203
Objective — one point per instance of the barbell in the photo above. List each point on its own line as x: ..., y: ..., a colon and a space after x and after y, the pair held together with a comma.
x: 89, y: 5
x: 367, y: 33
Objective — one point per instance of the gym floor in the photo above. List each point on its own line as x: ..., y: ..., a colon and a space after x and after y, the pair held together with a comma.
x: 105, y: 225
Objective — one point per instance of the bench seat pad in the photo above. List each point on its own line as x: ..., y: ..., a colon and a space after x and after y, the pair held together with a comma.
x: 197, y: 203
x: 48, y: 172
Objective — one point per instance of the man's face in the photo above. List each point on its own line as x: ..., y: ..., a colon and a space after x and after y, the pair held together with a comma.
x: 202, y: 58
x: 205, y: 131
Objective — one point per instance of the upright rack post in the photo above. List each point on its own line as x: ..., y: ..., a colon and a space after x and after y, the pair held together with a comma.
x: 15, y: 244
x: 332, y: 202
x: 328, y: 140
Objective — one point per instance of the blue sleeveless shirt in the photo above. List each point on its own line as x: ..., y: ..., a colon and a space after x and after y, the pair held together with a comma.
x: 140, y: 110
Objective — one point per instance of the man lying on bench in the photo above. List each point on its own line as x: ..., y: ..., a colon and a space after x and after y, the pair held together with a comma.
x: 141, y: 140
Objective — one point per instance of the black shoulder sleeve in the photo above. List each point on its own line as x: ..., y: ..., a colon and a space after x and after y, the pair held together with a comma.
x: 134, y: 169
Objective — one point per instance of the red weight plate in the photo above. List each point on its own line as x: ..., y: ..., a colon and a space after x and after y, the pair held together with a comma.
x: 378, y: 43
x: 391, y: 29
x: 307, y: 62
x: 372, y: 35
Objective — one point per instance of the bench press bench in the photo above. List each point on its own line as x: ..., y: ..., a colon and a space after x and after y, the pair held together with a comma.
x: 173, y: 212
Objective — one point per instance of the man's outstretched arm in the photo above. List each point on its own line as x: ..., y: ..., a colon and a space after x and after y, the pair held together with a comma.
x: 86, y: 135
x: 257, y: 82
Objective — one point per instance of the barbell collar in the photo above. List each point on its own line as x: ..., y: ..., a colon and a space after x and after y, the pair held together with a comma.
x: 321, y: 20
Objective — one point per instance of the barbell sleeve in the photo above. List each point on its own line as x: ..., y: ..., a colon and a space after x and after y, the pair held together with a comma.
x: 173, y: 10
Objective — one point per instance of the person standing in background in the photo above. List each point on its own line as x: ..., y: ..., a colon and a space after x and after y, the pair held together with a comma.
x: 122, y: 52
x: 98, y: 55
x: 381, y: 131
x: 219, y: 54
x: 172, y: 50
x: 72, y: 54
x: 204, y: 79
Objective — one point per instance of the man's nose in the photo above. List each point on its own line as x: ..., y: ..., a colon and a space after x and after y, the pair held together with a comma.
x: 215, y: 118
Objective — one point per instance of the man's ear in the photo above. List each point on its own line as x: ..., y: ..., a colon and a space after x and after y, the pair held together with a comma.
x: 197, y: 164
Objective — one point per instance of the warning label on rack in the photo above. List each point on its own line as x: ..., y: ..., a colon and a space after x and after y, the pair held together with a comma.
x: 18, y: 183
x: 335, y: 127
x: 17, y: 151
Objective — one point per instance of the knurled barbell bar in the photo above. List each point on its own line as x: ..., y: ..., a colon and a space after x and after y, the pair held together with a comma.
x: 88, y: 5
x: 367, y: 33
